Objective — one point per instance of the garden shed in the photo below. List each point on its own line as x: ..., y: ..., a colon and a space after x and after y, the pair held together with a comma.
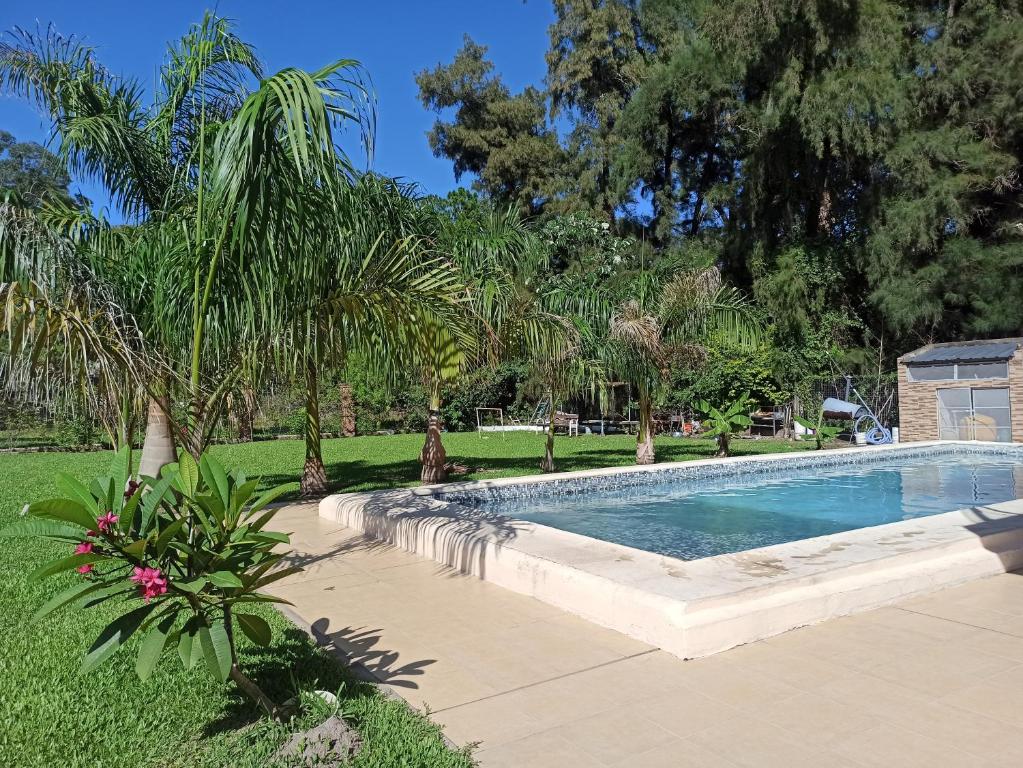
x: 970, y: 390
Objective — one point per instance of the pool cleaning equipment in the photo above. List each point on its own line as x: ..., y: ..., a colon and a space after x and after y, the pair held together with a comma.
x: 866, y: 423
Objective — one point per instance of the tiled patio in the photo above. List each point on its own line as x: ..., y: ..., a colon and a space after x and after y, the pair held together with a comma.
x: 936, y: 681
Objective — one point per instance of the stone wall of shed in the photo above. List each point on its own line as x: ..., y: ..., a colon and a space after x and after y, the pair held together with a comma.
x: 918, y: 401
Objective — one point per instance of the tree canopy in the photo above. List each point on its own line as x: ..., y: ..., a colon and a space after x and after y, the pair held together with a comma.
x: 854, y: 165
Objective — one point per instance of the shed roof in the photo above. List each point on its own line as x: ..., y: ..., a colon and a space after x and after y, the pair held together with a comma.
x: 964, y: 351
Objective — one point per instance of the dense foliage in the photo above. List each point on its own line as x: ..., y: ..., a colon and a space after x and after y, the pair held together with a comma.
x: 855, y: 165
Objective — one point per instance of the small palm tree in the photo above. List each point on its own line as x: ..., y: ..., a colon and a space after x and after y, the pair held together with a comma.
x: 674, y: 315
x: 724, y: 422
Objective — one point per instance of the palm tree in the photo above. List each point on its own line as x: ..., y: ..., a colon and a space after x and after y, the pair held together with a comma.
x: 209, y: 173
x: 363, y: 280
x: 674, y: 315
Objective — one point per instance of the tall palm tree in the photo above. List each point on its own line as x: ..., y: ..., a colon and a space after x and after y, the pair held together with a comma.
x: 208, y: 172
x: 672, y: 317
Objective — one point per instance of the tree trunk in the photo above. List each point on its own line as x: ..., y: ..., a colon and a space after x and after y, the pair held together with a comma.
x: 433, y: 458
x: 158, y: 449
x: 246, y: 414
x: 723, y: 444
x: 645, y: 435
x: 347, y: 410
x: 314, y: 474
x: 247, y: 686
x: 547, y: 464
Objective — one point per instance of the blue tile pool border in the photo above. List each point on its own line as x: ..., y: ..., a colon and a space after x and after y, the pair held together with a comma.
x: 781, y: 465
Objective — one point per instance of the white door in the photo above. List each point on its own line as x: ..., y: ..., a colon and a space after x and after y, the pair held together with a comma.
x: 965, y: 413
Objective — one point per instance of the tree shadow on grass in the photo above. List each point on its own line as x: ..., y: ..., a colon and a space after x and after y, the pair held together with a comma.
x: 347, y: 662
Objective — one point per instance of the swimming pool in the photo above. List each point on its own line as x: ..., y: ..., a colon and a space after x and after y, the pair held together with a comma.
x: 696, y: 517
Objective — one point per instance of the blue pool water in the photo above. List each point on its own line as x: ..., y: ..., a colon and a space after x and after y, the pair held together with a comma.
x: 693, y: 518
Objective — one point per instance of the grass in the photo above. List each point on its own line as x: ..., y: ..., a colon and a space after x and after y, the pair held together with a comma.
x: 52, y: 715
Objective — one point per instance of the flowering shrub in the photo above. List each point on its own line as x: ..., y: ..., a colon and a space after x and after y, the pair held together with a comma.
x: 184, y: 555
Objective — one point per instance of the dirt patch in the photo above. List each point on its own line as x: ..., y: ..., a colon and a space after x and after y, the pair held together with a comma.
x: 332, y: 743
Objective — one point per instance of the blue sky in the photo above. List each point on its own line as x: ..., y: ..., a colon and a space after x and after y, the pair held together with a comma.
x: 392, y: 38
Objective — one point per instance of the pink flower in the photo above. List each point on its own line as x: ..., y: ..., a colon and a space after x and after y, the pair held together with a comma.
x: 84, y: 548
x: 84, y: 569
x: 106, y: 522
x: 152, y: 583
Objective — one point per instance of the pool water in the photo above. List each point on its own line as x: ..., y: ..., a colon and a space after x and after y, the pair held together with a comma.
x: 690, y: 519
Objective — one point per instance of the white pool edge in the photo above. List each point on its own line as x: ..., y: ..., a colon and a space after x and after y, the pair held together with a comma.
x: 693, y: 608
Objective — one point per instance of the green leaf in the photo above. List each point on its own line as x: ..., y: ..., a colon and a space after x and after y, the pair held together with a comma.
x: 167, y: 535
x: 192, y: 586
x: 114, y: 635
x: 35, y: 526
x: 276, y: 576
x: 153, y: 646
x: 269, y: 497
x: 187, y: 644
x: 64, y: 509
x: 216, y: 478
x: 225, y: 579
x: 188, y: 475
x: 64, y: 564
x: 216, y: 647
x: 255, y: 628
x: 151, y: 502
x: 136, y: 548
x: 75, y: 490
x: 66, y: 596
x: 120, y: 475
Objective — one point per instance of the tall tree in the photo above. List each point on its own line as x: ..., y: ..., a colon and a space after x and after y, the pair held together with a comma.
x: 595, y: 61
x: 32, y: 173
x: 501, y: 138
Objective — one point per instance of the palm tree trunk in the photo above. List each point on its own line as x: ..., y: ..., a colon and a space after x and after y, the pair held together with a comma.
x: 158, y: 449
x: 547, y: 465
x: 246, y: 414
x: 644, y: 435
x: 347, y: 410
x: 433, y: 458
x: 314, y: 474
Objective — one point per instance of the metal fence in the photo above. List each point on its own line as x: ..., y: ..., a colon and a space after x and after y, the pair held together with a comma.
x: 879, y: 393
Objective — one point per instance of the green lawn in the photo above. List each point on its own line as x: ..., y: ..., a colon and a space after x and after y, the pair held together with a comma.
x: 51, y: 715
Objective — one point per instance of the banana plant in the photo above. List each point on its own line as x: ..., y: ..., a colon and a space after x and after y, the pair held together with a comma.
x: 184, y: 557
x: 723, y: 423
x: 822, y: 433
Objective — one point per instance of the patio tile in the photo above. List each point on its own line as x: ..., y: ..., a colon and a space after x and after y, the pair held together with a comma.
x: 886, y: 746
x: 685, y: 712
x: 748, y: 742
x: 676, y: 754
x: 615, y: 735
x: 999, y: 697
x: 940, y: 671
x: 489, y: 722
x: 543, y: 750
x: 817, y: 720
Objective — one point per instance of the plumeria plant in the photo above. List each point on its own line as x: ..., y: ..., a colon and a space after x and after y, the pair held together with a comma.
x: 184, y: 555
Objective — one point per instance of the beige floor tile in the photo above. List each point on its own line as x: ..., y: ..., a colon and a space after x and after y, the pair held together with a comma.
x: 685, y: 712
x: 984, y: 618
x: 800, y: 670
x: 730, y: 683
x: 615, y: 735
x: 931, y: 627
x: 940, y: 671
x: 561, y: 701
x: 968, y: 731
x: 489, y: 723
x: 676, y: 754
x: 999, y: 697
x: 888, y: 746
x: 544, y: 750
x: 748, y: 742
x: 1008, y: 647
x: 819, y: 721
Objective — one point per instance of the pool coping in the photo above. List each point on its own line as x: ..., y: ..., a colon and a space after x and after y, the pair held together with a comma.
x: 697, y: 607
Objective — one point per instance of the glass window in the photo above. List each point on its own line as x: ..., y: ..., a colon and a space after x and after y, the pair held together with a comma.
x: 966, y: 413
x: 982, y: 371
x: 931, y: 372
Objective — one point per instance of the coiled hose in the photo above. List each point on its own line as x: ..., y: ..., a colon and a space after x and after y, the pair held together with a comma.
x: 876, y: 434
